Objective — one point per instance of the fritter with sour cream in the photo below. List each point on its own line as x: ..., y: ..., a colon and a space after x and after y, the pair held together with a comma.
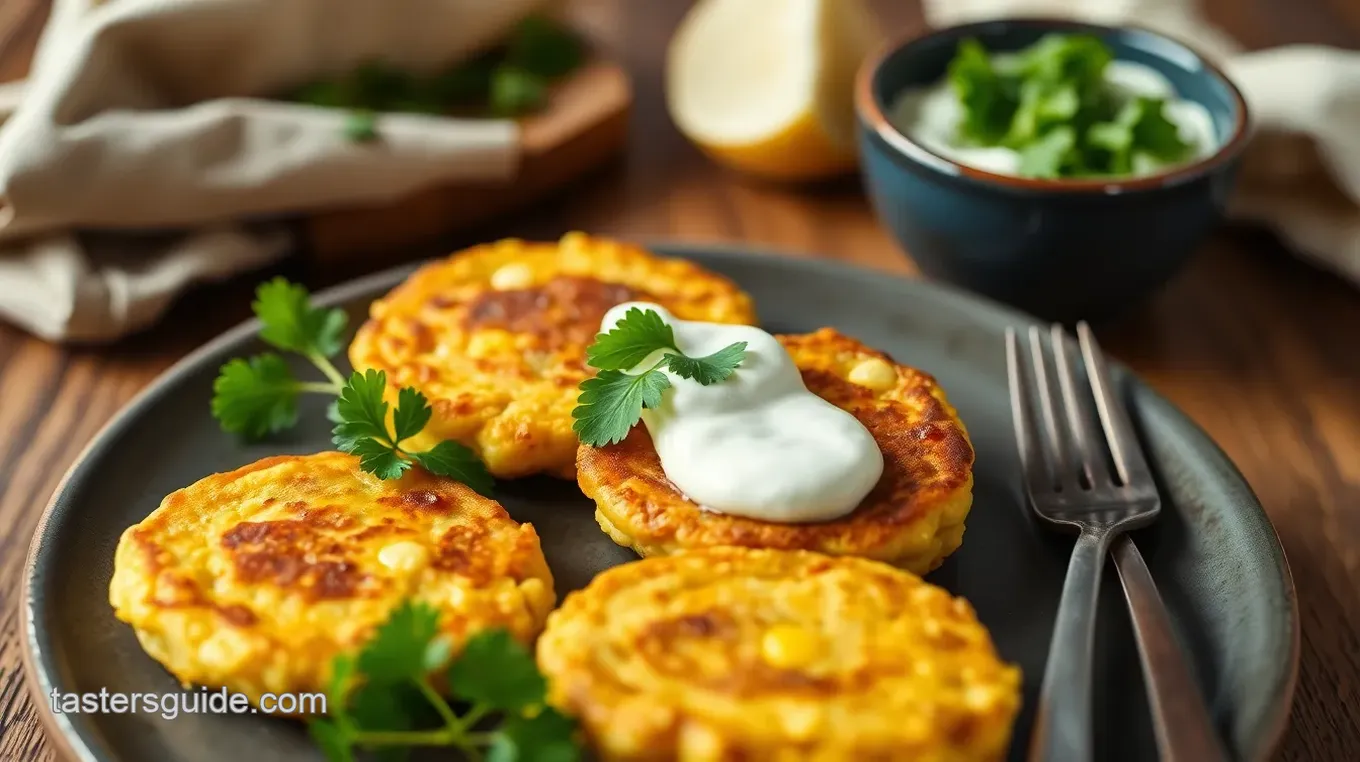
x: 738, y: 654
x: 913, y: 517
x: 495, y: 337
x: 257, y: 578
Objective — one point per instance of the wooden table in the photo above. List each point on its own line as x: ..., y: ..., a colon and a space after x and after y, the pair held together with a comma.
x: 1258, y: 348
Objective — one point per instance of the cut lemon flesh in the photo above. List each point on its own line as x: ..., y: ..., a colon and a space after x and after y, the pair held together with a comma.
x: 766, y: 86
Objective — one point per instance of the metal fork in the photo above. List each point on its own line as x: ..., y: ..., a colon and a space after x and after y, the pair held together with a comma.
x: 1092, y: 479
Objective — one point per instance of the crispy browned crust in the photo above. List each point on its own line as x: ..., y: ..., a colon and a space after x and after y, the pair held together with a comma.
x: 913, y: 517
x: 501, y: 362
x: 256, y: 578
x: 740, y: 654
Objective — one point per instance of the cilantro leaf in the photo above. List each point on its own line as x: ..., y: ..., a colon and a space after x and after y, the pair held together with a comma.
x: 467, y: 82
x: 411, y: 415
x: 340, y: 683
x: 545, y: 737
x: 611, y: 402
x: 986, y: 97
x: 1155, y: 134
x: 386, y: 708
x: 545, y: 48
x: 376, y: 707
x: 255, y: 397
x: 1079, y: 59
x: 1042, y: 106
x: 362, y: 430
x: 325, y: 94
x: 496, y: 671
x: 636, y: 336
x: 292, y: 324
x: 454, y: 460
x: 709, y: 369
x: 1112, y: 144
x: 361, y: 126
x: 379, y: 458
x: 515, y: 90
x: 362, y: 410
x: 437, y: 653
x: 1139, y: 127
x: 1047, y: 156
x: 332, y: 739
x: 396, y: 652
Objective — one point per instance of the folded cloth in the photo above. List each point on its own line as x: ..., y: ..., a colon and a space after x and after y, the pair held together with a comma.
x: 145, y: 115
x: 1301, y: 174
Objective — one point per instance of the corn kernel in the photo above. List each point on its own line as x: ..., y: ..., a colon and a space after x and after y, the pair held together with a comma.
x: 979, y: 698
x: 788, y: 646
x: 224, y: 650
x: 574, y: 241
x: 483, y: 344
x: 402, y: 556
x: 874, y: 373
x: 512, y: 276
x: 802, y: 722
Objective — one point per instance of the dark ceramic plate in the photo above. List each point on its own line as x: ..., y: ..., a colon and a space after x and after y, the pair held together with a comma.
x: 1213, y: 553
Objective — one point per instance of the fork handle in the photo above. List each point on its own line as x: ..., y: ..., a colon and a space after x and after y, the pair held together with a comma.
x: 1062, y: 727
x: 1179, y: 716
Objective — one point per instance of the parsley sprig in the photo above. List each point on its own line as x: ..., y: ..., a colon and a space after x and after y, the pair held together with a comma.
x: 612, y: 402
x: 257, y: 396
x: 375, y: 698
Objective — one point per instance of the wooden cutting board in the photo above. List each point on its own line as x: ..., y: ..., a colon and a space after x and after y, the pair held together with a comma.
x: 584, y: 125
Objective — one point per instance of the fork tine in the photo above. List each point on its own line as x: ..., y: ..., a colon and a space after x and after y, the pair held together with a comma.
x: 1079, y: 415
x: 1124, y: 448
x: 1026, y: 433
x: 1060, y: 443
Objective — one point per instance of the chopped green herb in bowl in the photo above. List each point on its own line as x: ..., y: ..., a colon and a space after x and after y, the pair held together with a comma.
x: 1062, y: 107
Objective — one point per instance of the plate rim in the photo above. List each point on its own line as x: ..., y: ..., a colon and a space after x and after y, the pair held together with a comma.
x: 68, y: 743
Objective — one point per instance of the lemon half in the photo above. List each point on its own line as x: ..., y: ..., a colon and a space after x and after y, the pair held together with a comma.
x: 766, y: 86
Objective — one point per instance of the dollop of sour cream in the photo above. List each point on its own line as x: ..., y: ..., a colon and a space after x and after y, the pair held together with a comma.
x: 757, y: 444
x: 931, y: 115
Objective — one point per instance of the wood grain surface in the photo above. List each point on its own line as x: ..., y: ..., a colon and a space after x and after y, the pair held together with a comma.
x: 1257, y: 347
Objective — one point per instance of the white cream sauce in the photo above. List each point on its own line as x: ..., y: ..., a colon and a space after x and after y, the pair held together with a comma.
x: 757, y: 444
x: 930, y: 116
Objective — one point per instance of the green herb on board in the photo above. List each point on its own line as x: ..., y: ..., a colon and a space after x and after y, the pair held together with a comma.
x: 361, y: 126
x: 508, y: 81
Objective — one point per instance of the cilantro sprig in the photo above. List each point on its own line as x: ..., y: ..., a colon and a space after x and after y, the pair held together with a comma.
x: 1050, y: 102
x: 375, y: 698
x: 257, y: 396
x: 362, y: 429
x: 612, y: 401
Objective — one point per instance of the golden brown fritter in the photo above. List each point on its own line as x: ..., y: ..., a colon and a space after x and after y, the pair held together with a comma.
x: 913, y: 518
x: 495, y: 337
x: 256, y: 578
x: 738, y: 654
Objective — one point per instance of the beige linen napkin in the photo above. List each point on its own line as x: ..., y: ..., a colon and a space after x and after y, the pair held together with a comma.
x: 151, y: 115
x: 1301, y: 174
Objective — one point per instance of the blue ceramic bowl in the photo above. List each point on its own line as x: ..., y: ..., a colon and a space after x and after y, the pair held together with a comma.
x: 1060, y: 249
